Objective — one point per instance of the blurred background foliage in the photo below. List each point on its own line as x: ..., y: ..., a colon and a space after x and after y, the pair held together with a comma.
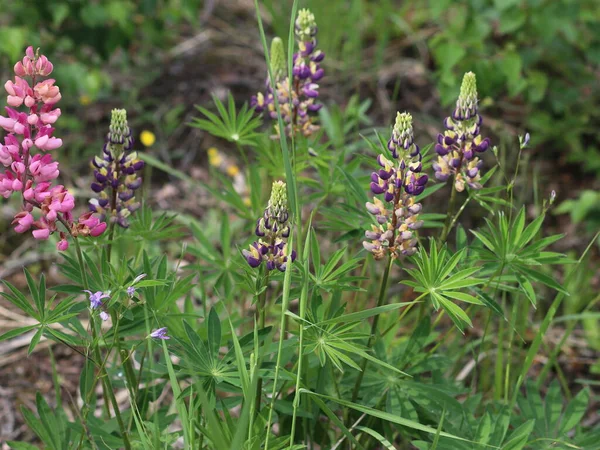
x: 537, y: 63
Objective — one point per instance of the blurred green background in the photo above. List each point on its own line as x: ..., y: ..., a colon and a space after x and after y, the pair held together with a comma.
x: 537, y: 63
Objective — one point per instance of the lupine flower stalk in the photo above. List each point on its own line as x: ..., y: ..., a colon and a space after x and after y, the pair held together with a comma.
x: 273, y: 230
x: 297, y: 97
x: 461, y: 142
x: 398, y: 180
x: 30, y: 170
x: 117, y: 173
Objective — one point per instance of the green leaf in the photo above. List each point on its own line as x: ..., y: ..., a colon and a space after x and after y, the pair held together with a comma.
x: 518, y: 439
x: 383, y: 441
x: 542, y: 278
x: 463, y: 297
x: 16, y: 332
x: 214, y: 333
x: 383, y: 415
x: 35, y: 340
x: 362, y: 315
x: 575, y: 411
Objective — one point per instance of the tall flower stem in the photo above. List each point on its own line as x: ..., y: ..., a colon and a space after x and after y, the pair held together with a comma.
x: 106, y: 383
x: 282, y: 324
x: 111, y: 233
x: 449, y: 221
x: 372, y: 336
x: 261, y: 318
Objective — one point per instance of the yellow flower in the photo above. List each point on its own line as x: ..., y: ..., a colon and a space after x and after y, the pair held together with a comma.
x: 214, y: 158
x: 233, y: 170
x: 147, y: 138
x: 85, y: 99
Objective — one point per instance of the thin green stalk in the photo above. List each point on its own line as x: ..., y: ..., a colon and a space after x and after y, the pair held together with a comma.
x: 302, y: 315
x: 54, y: 376
x: 372, y: 336
x: 303, y: 303
x: 511, y: 336
x: 567, y: 333
x: 287, y: 279
x: 451, y: 205
x: 106, y: 383
x: 289, y: 173
x: 537, y: 341
x: 261, y: 312
x: 499, y: 355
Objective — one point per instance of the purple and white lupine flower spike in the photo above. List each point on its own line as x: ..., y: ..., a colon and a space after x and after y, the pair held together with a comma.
x: 117, y: 173
x: 297, y: 97
x: 458, y: 147
x: 273, y: 231
x: 399, y: 181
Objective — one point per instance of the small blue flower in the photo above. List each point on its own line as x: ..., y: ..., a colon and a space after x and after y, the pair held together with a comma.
x: 131, y: 288
x: 96, y: 298
x: 161, y: 333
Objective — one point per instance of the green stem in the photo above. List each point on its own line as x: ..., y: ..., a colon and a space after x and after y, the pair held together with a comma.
x: 282, y: 323
x: 302, y: 315
x: 111, y: 236
x: 106, y: 383
x: 260, y: 316
x: 448, y: 222
x: 372, y: 336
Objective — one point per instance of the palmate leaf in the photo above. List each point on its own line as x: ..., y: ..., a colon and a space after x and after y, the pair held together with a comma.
x: 385, y: 416
x: 512, y: 247
x: 548, y: 419
x: 235, y: 126
x: 437, y: 278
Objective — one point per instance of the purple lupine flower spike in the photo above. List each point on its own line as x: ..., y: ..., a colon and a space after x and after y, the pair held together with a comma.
x: 160, y: 333
x: 461, y: 142
x: 400, y: 180
x: 117, y: 172
x: 273, y: 230
x: 297, y: 97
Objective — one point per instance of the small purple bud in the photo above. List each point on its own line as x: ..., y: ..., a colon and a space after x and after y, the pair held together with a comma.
x: 317, y: 56
x: 376, y: 188
x: 442, y: 176
x: 370, y: 247
x: 472, y: 173
x: 441, y: 150
x: 160, y: 333
x: 372, y: 208
x: 372, y: 235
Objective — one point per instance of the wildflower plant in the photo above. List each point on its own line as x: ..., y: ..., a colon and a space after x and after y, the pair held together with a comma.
x: 117, y: 173
x: 273, y: 231
x: 399, y: 181
x: 30, y: 168
x: 192, y: 338
x: 296, y: 94
x: 460, y: 144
